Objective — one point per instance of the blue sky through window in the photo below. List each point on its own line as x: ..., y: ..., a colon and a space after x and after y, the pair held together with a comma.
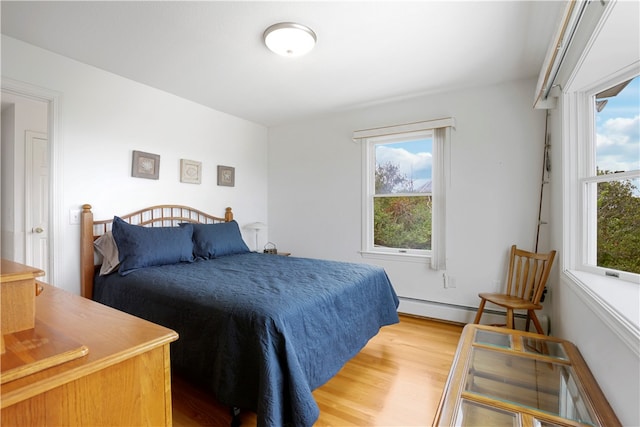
x: 618, y: 131
x: 414, y: 159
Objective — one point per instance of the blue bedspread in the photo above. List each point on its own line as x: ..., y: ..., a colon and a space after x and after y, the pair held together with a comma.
x: 261, y: 331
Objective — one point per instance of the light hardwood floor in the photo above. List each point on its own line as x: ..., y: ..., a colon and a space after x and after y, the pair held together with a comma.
x: 396, y: 380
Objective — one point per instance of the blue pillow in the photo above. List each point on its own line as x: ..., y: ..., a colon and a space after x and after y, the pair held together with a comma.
x: 147, y: 246
x: 216, y: 240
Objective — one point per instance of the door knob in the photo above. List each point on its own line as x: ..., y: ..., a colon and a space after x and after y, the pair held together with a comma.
x: 38, y: 230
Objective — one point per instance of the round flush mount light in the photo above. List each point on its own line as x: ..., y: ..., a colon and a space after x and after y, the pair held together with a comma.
x: 289, y: 39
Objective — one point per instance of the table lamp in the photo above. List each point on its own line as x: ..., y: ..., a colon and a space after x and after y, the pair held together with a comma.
x: 256, y: 226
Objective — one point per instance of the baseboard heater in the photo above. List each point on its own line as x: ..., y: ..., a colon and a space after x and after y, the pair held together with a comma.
x: 464, y: 313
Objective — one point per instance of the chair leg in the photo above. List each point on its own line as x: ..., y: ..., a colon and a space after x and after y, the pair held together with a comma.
x: 536, y: 322
x: 510, y: 324
x: 480, y: 310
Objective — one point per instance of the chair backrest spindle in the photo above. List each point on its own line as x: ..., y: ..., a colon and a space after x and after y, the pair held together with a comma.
x: 528, y: 273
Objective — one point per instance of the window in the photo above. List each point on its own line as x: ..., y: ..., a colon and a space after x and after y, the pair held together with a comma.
x: 401, y: 193
x: 404, y: 191
x: 611, y: 183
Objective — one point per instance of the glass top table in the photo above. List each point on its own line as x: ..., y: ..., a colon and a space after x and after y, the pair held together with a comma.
x: 506, y: 377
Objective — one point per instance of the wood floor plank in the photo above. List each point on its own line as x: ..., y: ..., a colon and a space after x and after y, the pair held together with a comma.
x: 396, y: 380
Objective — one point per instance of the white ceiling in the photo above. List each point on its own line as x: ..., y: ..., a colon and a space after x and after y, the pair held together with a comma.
x: 212, y: 52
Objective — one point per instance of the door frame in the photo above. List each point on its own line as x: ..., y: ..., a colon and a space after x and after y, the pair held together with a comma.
x: 52, y: 98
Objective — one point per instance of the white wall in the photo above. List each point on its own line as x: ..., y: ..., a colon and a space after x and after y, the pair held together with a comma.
x: 105, y: 117
x: 492, y: 194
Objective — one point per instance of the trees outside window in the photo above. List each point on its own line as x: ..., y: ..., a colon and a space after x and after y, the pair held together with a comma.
x: 618, y: 225
x: 401, y: 221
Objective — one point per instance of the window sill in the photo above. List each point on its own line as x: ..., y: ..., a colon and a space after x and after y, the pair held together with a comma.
x: 615, y: 301
x: 423, y: 259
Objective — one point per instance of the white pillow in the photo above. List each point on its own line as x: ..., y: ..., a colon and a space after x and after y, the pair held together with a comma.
x: 107, y: 247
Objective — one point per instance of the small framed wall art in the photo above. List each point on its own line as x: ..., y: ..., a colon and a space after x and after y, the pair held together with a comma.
x: 190, y: 171
x: 226, y: 176
x: 145, y: 165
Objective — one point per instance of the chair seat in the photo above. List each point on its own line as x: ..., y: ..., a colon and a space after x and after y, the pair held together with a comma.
x: 510, y: 301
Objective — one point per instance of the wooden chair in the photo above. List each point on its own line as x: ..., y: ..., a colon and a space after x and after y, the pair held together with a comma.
x: 528, y: 274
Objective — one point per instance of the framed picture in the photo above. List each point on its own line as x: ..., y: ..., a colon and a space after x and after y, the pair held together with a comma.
x: 145, y: 165
x: 226, y: 176
x: 190, y: 171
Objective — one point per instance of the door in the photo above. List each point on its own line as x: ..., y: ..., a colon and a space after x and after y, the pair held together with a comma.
x: 36, y: 109
x: 37, y: 201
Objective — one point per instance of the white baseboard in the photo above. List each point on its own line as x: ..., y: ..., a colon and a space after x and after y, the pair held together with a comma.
x: 463, y: 314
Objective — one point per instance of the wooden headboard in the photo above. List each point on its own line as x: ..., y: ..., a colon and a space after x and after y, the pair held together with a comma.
x: 154, y: 216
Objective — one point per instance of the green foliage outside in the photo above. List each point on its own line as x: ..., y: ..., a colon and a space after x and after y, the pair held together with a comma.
x: 618, y: 226
x: 402, y: 221
x: 405, y: 221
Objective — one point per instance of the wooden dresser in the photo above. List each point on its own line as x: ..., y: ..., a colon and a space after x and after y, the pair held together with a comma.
x: 121, y: 378
x: 502, y: 376
x: 18, y: 290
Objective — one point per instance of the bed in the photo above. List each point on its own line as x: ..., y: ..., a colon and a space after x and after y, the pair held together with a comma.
x: 260, y: 331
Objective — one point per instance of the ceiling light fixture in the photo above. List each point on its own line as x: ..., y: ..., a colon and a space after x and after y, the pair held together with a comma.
x: 289, y: 39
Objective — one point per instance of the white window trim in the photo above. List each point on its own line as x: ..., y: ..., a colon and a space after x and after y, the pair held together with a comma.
x: 369, y: 190
x: 440, y: 129
x: 405, y: 128
x: 591, y: 283
x: 578, y: 108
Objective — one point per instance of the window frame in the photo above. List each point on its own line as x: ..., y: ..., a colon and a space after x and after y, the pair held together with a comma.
x: 441, y: 129
x: 369, y: 156
x: 584, y: 117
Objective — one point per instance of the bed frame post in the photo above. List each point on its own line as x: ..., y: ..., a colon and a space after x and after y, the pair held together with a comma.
x: 87, y: 269
x: 228, y: 215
